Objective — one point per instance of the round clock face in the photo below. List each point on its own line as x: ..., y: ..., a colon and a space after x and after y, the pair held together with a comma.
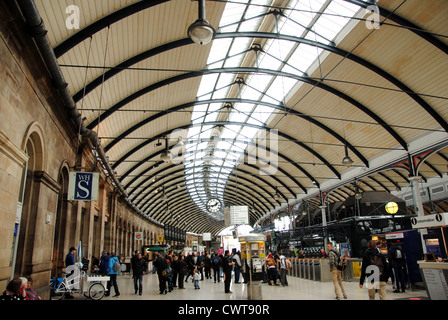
x: 213, y: 205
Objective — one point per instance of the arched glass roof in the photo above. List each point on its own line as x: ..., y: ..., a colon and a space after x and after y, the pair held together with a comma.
x: 213, y: 151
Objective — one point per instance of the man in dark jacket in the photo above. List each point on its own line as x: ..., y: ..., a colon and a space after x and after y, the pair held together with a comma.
x: 139, y: 267
x: 104, y: 263
x: 161, y: 265
x: 375, y: 267
x: 227, y: 266
x: 398, y: 261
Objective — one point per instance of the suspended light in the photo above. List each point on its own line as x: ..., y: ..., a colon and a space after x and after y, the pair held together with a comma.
x: 347, y: 161
x: 165, y: 156
x: 391, y: 207
x: 201, y: 31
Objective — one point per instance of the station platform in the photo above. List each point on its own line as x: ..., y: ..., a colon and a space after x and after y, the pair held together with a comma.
x: 297, y: 289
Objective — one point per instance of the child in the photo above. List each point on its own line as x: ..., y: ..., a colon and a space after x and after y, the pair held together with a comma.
x: 196, y: 278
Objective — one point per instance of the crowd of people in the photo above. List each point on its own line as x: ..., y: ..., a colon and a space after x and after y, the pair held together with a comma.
x: 174, y: 270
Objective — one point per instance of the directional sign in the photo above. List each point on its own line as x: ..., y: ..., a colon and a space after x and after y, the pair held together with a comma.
x: 430, y: 220
x: 83, y: 186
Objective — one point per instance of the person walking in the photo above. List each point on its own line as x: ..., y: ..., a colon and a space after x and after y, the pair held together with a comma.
x: 336, y: 274
x: 112, y: 275
x: 182, y: 271
x: 398, y: 263
x: 216, y: 265
x: 207, y: 265
x: 196, y: 279
x: 175, y: 269
x: 374, y: 262
x: 189, y: 259
x: 161, y: 265
x: 104, y: 262
x: 272, y: 269
x: 283, y: 279
x: 227, y: 267
x: 237, y: 269
x: 139, y: 269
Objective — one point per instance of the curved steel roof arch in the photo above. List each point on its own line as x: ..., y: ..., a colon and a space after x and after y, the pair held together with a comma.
x: 161, y: 178
x: 412, y: 27
x: 150, y: 192
x: 178, y: 204
x: 252, y: 194
x: 150, y: 177
x: 302, y: 145
x: 146, y: 204
x: 239, y: 70
x: 233, y: 100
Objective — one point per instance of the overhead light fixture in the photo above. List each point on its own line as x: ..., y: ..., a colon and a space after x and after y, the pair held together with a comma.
x: 347, y: 161
x: 200, y: 31
x: 165, y: 156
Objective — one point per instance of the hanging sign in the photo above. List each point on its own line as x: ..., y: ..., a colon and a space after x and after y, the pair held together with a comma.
x: 83, y: 186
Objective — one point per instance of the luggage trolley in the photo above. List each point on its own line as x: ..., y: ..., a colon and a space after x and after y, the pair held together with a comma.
x: 75, y: 281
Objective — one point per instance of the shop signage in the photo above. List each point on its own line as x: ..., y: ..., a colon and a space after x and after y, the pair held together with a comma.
x: 396, y: 235
x: 430, y: 220
x: 83, y: 186
x: 138, y: 235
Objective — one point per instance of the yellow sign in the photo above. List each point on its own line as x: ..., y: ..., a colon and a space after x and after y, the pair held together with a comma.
x: 159, y: 238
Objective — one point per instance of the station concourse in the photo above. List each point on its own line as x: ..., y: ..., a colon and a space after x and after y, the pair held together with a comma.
x: 131, y: 124
x: 297, y: 290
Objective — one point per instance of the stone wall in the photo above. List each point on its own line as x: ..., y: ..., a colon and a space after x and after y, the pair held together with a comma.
x: 39, y: 146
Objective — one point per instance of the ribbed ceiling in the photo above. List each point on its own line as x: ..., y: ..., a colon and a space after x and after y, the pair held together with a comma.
x: 311, y: 70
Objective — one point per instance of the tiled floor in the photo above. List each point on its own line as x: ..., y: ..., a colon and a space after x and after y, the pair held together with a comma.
x: 298, y: 289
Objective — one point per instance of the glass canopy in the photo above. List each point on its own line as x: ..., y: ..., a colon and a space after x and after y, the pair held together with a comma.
x: 222, y: 131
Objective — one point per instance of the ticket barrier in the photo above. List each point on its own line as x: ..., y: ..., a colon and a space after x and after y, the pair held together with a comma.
x: 317, y: 267
x: 293, y: 271
x: 309, y: 269
x: 322, y: 270
x: 253, y: 258
x: 302, y: 268
x: 295, y: 267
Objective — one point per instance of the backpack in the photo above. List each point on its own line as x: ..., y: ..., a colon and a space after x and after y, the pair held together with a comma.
x: 342, y: 263
x: 288, y: 264
x: 397, y: 254
x: 376, y: 260
x: 116, y: 267
x: 216, y: 261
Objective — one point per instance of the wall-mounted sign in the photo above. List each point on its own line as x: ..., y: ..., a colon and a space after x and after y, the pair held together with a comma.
x: 138, y: 235
x: 430, y: 220
x: 83, y: 186
x: 236, y: 215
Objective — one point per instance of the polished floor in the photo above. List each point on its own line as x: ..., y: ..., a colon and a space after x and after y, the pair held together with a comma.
x: 297, y: 289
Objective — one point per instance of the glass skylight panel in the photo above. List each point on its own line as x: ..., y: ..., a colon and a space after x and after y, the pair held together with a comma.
x: 207, y: 84
x: 233, y: 13
x: 317, y: 20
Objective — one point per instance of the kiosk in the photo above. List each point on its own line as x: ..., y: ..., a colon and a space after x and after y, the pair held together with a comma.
x: 253, y: 256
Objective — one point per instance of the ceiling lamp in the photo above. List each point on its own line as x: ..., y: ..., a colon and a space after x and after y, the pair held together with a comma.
x: 347, y: 161
x: 166, y: 154
x: 201, y: 31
